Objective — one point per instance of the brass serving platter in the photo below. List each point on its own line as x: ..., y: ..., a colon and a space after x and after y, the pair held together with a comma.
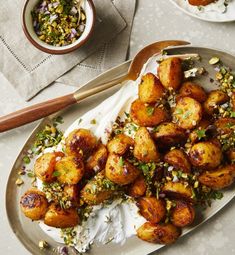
x: 29, y: 233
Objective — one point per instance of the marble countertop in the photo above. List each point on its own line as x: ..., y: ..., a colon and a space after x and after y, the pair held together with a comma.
x: 154, y: 21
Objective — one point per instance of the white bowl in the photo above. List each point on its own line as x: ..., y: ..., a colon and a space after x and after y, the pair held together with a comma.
x: 28, y: 28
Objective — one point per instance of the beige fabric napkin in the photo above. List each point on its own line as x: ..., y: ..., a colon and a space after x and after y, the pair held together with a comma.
x: 109, y: 55
x: 30, y: 70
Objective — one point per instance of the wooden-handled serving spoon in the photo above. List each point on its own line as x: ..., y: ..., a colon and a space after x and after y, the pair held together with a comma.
x: 38, y: 111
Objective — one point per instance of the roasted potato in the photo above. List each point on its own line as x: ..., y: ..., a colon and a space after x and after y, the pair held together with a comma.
x: 147, y: 115
x: 225, y: 125
x: 45, y: 164
x: 193, y: 90
x: 58, y: 217
x: 178, y: 159
x: 158, y: 233
x: 233, y: 101
x: 178, y: 190
x: 168, y: 134
x: 69, y: 170
x: 150, y: 89
x: 170, y: 73
x: 187, y: 113
x: 201, y: 2
x: 71, y: 192
x: 119, y: 170
x: 97, y: 190
x: 120, y: 144
x: 80, y: 143
x: 182, y: 214
x: 152, y: 209
x: 218, y: 179
x: 96, y: 162
x: 215, y: 98
x: 231, y: 155
x: 34, y: 204
x: 205, y: 155
x: 145, y: 149
x: 201, y: 128
x: 138, y: 187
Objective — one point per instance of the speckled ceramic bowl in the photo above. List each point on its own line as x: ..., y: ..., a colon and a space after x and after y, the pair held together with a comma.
x: 28, y: 28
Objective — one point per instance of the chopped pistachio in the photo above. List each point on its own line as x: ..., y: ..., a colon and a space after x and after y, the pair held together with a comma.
x: 42, y: 244
x: 19, y: 182
x: 214, y: 60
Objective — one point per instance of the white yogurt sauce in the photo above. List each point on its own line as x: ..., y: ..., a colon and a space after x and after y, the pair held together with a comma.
x: 124, y: 216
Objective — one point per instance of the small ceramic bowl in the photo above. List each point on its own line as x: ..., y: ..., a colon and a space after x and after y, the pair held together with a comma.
x: 28, y: 28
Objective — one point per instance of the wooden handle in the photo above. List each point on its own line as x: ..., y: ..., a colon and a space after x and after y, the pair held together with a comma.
x: 35, y: 112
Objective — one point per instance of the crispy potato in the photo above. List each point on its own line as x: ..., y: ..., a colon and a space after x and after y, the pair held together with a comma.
x: 152, y: 209
x: 170, y: 73
x: 158, y: 233
x: 168, y: 134
x: 215, y: 98
x: 71, y: 191
x: 97, y: 160
x: 138, y: 187
x: 147, y: 115
x: 145, y: 149
x: 183, y: 214
x: 233, y: 101
x: 205, y: 155
x: 150, y: 89
x: 69, y: 170
x: 120, y: 171
x: 58, y: 217
x: 80, y: 143
x: 120, y: 144
x: 45, y: 164
x: 193, y: 90
x: 178, y: 190
x: 218, y: 179
x: 203, y: 125
x: 231, y: 155
x: 34, y: 204
x: 95, y: 191
x: 225, y: 125
x: 201, y: 2
x: 178, y: 159
x: 187, y: 113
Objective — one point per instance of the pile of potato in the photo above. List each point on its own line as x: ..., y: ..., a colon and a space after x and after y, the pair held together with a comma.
x: 91, y: 173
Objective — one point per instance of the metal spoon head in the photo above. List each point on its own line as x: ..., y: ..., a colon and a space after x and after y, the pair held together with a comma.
x: 142, y: 56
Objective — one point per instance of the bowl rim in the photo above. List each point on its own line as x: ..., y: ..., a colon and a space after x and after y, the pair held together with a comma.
x: 54, y: 51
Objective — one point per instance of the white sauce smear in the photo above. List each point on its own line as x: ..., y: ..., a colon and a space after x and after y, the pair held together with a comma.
x: 118, y: 221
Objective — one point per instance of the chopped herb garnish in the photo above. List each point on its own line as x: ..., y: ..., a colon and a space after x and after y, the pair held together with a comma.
x: 93, y: 122
x: 121, y: 161
x: 26, y: 160
x: 58, y: 120
x: 56, y: 174
x: 178, y: 111
x: 79, y: 121
x: 201, y: 133
x: 232, y: 114
x: 31, y: 174
x: 150, y: 110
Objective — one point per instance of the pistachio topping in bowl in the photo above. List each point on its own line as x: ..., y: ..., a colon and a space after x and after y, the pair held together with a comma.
x: 59, y: 22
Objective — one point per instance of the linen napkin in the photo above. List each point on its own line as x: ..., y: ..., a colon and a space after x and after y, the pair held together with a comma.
x: 109, y: 55
x: 30, y: 70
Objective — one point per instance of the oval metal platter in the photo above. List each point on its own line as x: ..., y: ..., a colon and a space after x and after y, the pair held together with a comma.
x: 29, y: 233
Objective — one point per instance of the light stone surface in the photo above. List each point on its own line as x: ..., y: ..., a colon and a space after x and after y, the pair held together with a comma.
x: 155, y: 20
